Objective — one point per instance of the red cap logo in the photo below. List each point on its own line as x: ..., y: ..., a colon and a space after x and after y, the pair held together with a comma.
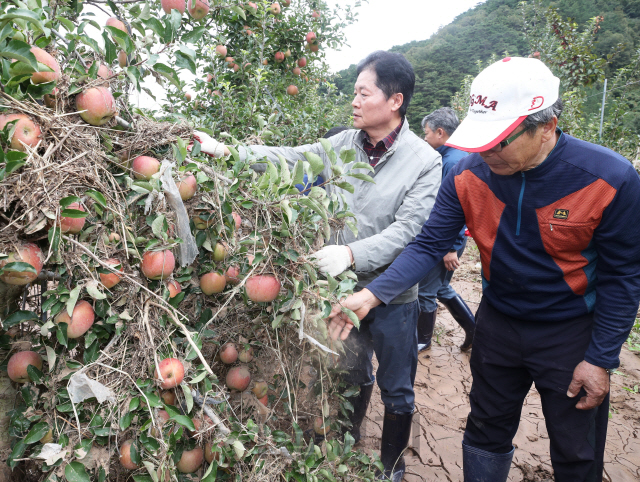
x: 537, y: 102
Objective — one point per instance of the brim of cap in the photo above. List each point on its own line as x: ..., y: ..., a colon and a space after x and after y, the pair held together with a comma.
x: 478, y: 136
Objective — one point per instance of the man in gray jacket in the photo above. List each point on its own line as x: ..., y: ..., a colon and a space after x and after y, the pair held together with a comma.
x: 389, y: 212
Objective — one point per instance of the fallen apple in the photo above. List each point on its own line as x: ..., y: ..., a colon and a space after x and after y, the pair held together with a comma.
x: 79, y: 322
x: 172, y: 372
x: 18, y: 363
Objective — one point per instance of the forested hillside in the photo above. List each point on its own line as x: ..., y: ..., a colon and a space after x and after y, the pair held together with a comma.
x: 498, y: 27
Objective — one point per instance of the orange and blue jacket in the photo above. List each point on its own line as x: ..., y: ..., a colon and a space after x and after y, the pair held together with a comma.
x: 556, y: 242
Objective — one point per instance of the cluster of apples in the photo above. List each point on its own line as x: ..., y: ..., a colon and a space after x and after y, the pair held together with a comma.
x: 239, y: 377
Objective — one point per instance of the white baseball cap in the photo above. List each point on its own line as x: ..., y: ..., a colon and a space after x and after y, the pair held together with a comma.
x: 502, y: 95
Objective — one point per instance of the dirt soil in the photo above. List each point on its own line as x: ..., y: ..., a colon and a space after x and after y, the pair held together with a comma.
x: 442, y: 387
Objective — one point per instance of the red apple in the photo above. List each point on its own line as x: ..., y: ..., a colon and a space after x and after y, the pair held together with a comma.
x: 157, y: 265
x: 219, y: 252
x: 320, y: 426
x: 97, y: 104
x: 246, y: 354
x: 198, y: 8
x: 218, y: 93
x: 314, y: 47
x: 125, y: 456
x: 311, y: 37
x: 238, y: 378
x: 211, y: 283
x: 72, y: 225
x: 172, y: 372
x: 46, y: 59
x: 252, y: 7
x: 232, y: 275
x: 296, y: 71
x: 209, y: 454
x: 114, y: 22
x: 144, y: 167
x: 221, y: 51
x: 235, y: 67
x: 163, y: 416
x: 26, y: 131
x: 18, y: 363
x: 190, y: 461
x: 286, y: 3
x: 279, y: 57
x: 228, y: 353
x: 315, y: 14
x: 104, y: 72
x: 292, y: 90
x: 187, y: 96
x: 262, y: 288
x: 228, y: 60
x: 302, y: 62
x: 111, y: 279
x: 265, y: 62
x: 168, y: 5
x: 210, y: 77
x: 264, y: 400
x: 275, y: 8
x: 174, y: 288
x: 187, y: 186
x: 79, y: 322
x: 26, y: 253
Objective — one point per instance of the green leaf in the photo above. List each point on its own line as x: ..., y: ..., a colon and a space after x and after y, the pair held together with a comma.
x: 66, y: 201
x: 352, y: 316
x: 97, y: 195
x: 21, y: 51
x: 317, y: 166
x: 125, y: 420
x: 51, y: 357
x: 75, y: 472
x: 35, y: 375
x: 168, y: 73
x: 238, y: 10
x: 187, y: 396
x: 74, y: 213
x: 185, y: 62
x: 110, y: 51
x: 134, y: 403
x: 184, y: 421
x: 38, y: 431
x: 61, y: 334
x: 19, y: 267
x: 211, y: 473
x: 16, y: 453
x: 158, y: 226
x: 68, y: 24
x: 363, y: 165
x: 19, y: 317
x: 73, y: 298
x: 121, y: 38
x: 362, y: 177
x: 347, y: 155
x: 346, y: 186
x: 38, y: 90
x: 24, y: 14
x: 298, y: 173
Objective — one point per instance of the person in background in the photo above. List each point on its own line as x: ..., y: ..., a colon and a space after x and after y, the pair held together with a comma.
x: 438, y: 127
x: 390, y: 212
x: 556, y: 221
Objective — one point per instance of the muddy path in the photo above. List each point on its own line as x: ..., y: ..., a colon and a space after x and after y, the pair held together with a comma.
x: 442, y: 386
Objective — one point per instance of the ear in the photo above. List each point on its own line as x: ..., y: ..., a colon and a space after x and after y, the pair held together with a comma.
x: 396, y: 101
x: 440, y: 131
x: 549, y: 129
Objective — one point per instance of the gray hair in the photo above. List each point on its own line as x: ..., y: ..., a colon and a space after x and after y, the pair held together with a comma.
x: 542, y: 117
x: 444, y: 118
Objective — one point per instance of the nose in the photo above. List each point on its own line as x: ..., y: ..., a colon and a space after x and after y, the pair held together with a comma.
x: 355, y: 102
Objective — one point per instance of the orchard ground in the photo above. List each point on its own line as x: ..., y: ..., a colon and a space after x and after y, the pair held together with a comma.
x: 442, y: 386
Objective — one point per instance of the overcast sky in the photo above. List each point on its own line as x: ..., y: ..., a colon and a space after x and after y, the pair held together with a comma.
x: 384, y: 23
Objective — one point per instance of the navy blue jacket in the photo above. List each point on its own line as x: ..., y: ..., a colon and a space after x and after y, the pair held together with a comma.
x: 450, y: 157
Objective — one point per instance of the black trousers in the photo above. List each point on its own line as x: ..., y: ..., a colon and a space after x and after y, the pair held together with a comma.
x: 508, y: 356
x: 391, y: 332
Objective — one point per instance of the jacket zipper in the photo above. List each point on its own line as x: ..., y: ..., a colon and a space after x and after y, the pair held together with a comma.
x: 520, y: 206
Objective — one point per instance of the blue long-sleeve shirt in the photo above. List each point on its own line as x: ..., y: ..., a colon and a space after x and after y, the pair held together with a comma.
x: 450, y: 157
x: 556, y: 242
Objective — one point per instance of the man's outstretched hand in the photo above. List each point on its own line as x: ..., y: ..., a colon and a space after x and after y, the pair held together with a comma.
x: 594, y: 380
x: 360, y: 303
x: 209, y: 145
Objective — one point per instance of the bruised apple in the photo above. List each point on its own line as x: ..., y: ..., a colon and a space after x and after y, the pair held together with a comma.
x: 190, y: 461
x: 125, y: 455
x: 158, y: 264
x: 18, y: 363
x: 144, y: 167
x: 26, y: 253
x: 238, y: 378
x: 172, y: 372
x: 262, y: 288
x: 111, y: 279
x: 80, y: 321
x: 260, y: 389
x: 70, y: 225
x: 245, y: 355
x: 211, y: 283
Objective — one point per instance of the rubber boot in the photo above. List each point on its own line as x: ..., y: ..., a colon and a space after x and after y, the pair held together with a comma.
x: 395, y: 438
x: 360, y: 404
x: 482, y: 466
x: 462, y: 314
x: 426, y: 322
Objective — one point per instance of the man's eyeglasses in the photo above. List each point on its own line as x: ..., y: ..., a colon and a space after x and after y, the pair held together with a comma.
x: 507, y: 141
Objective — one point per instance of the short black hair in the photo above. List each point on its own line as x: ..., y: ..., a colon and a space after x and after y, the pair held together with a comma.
x: 394, y: 75
x: 335, y: 130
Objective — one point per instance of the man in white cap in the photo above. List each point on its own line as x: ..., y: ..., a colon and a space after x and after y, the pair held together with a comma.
x: 556, y: 223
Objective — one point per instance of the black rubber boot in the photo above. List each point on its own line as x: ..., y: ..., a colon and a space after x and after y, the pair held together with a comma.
x: 426, y: 322
x: 482, y: 466
x: 462, y: 314
x: 360, y: 404
x: 395, y: 438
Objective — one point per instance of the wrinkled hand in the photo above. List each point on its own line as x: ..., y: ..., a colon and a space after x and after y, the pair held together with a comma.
x: 333, y: 259
x: 451, y: 261
x: 209, y: 145
x: 360, y: 303
x: 595, y: 381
